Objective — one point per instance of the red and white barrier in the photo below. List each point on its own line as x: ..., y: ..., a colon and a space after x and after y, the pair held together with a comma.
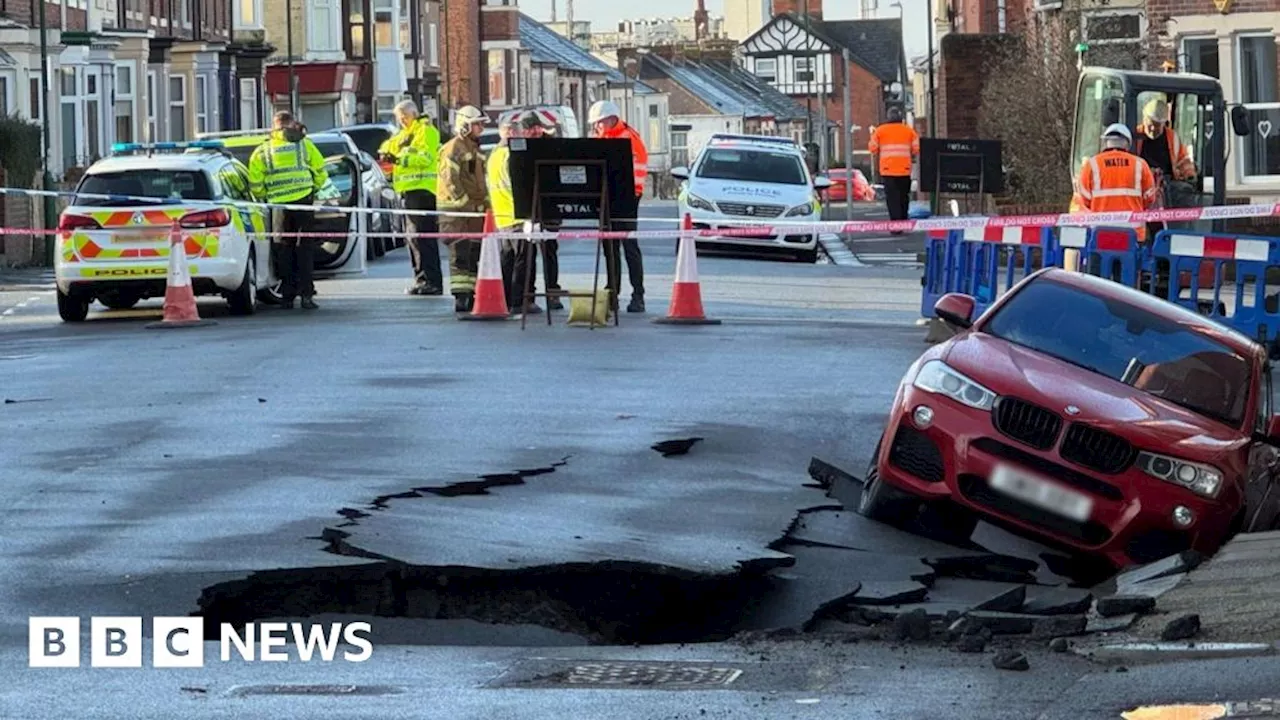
x: 1218, y: 248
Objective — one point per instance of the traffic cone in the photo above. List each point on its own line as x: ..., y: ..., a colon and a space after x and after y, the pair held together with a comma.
x: 491, y: 294
x: 179, y: 299
x: 686, y: 291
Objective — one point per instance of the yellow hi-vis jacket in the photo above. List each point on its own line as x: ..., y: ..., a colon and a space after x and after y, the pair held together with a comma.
x: 285, y: 172
x: 501, y: 198
x: 416, y: 150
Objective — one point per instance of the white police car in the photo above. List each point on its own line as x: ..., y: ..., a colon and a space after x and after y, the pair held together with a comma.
x: 742, y: 180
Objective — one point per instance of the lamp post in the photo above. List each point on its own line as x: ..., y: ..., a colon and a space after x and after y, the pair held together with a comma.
x: 933, y: 122
x: 50, y: 208
x: 293, y: 78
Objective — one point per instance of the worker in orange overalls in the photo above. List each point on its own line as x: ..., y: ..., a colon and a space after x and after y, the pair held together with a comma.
x: 1115, y: 180
x: 897, y: 145
x: 606, y: 122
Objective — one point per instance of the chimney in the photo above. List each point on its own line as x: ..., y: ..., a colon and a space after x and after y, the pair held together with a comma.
x: 700, y: 21
x: 799, y: 7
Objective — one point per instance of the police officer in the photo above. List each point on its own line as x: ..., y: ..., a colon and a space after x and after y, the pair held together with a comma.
x: 288, y: 169
x: 604, y: 118
x: 414, y: 151
x: 461, y: 189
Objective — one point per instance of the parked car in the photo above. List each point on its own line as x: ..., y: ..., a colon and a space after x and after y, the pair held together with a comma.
x: 1089, y: 416
x: 842, y: 178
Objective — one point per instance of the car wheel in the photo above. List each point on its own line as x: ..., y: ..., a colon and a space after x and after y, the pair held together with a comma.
x: 881, y: 501
x: 808, y: 256
x: 119, y: 300
x: 952, y: 522
x: 244, y: 299
x: 72, y: 308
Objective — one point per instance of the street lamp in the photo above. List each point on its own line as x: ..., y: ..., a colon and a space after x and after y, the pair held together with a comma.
x: 288, y: 34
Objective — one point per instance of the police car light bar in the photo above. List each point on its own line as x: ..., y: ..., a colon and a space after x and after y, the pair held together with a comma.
x: 128, y: 148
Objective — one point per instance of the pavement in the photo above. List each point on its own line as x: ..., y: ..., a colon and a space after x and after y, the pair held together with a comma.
x: 555, y: 522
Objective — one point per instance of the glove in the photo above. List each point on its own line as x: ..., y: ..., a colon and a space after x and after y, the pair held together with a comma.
x: 386, y: 157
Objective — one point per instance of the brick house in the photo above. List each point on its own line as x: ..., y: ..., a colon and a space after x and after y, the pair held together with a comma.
x: 800, y: 54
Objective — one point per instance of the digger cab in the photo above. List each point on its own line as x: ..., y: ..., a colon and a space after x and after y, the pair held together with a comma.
x: 1196, y: 113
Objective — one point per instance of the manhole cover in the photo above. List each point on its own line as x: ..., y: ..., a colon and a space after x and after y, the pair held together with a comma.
x: 313, y: 690
x: 611, y: 674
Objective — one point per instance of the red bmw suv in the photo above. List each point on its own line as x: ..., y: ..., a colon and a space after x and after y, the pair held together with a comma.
x: 1089, y: 416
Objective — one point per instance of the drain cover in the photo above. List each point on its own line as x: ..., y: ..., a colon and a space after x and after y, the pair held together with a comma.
x: 244, y: 690
x: 635, y: 674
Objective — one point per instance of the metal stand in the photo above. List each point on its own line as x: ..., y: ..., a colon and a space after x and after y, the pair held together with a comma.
x: 529, y: 293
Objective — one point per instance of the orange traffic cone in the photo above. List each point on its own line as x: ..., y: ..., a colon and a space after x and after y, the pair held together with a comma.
x: 686, y: 292
x: 179, y: 299
x: 491, y: 294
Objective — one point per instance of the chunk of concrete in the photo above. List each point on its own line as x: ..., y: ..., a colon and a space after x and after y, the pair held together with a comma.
x: 1043, y: 600
x: 971, y: 643
x: 978, y: 594
x: 985, y: 566
x: 1098, y: 624
x: 1011, y: 660
x: 847, y: 529
x: 1153, y: 588
x: 913, y: 626
x: 1183, y: 627
x: 890, y: 592
x: 1125, y: 605
x: 1059, y: 626
x: 1038, y: 626
x: 1183, y: 562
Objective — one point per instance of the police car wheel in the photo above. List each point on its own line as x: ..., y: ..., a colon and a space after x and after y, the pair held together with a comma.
x: 119, y: 300
x: 808, y: 256
x: 72, y: 308
x: 244, y: 299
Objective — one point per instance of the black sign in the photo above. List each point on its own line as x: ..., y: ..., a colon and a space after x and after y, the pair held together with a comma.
x: 961, y: 166
x: 572, y: 175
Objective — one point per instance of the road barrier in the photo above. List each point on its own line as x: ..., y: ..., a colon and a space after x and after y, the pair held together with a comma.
x: 983, y: 262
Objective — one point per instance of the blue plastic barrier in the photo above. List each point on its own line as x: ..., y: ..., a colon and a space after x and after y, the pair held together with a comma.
x: 983, y: 262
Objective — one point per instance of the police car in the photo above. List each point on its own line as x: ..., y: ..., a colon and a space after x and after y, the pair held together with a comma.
x: 113, y: 239
x: 742, y: 180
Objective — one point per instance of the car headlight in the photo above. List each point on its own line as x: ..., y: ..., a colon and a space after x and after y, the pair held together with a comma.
x: 938, y: 377
x: 1200, y: 479
x: 700, y: 204
x: 806, y: 209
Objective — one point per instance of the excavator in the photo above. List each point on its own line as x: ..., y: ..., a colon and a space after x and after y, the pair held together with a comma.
x: 1197, y: 112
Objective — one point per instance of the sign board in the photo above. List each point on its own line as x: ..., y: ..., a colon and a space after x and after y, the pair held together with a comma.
x: 961, y: 166
x: 572, y: 175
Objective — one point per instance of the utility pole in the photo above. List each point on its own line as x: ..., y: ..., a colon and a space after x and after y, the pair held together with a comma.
x: 808, y: 95
x: 848, y: 137
x: 46, y: 179
x: 293, y: 78
x: 553, y: 11
x: 568, y: 18
x: 933, y: 111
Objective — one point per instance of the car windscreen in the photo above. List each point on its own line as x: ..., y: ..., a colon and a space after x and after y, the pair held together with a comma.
x: 1127, y: 343
x: 752, y: 166
x: 368, y: 139
x: 330, y: 148
x: 164, y: 185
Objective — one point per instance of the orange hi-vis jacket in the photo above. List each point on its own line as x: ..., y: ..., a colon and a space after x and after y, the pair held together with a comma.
x: 1184, y: 168
x: 1115, y: 181
x: 639, y: 155
x: 896, y: 144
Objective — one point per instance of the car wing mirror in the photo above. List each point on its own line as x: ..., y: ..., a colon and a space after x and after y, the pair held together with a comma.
x: 1240, y: 121
x: 955, y: 309
x: 681, y: 173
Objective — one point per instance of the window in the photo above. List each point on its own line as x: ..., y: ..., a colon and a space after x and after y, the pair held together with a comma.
x: 202, y: 104
x: 323, y: 26
x: 37, y: 98
x: 383, y: 12
x: 1256, y: 89
x: 386, y: 103
x: 433, y: 37
x: 125, y: 103
x: 70, y: 95
x: 804, y: 69
x: 177, y: 109
x: 249, y: 117
x: 1095, y: 93
x: 185, y: 12
x: 767, y: 69
x: 7, y: 100
x: 405, y: 41
x: 248, y: 14
x: 93, y: 114
x: 185, y: 184
x: 679, y: 148
x: 1200, y: 55
x: 752, y: 166
x: 655, y: 128
x: 152, y: 130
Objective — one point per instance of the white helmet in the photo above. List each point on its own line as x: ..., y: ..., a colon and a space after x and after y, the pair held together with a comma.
x: 466, y: 116
x: 602, y: 109
x: 1118, y: 130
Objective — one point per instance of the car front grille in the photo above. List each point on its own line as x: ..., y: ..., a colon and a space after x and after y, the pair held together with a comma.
x: 977, y: 490
x: 1027, y: 423
x: 750, y: 209
x: 914, y: 452
x: 1048, y: 468
x: 1097, y: 449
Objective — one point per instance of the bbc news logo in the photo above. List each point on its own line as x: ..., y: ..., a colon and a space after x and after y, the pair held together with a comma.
x: 179, y: 642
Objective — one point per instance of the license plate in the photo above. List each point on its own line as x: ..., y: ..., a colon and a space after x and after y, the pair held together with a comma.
x: 1041, y: 493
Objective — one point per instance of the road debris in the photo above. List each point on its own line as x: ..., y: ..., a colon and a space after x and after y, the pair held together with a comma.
x: 672, y: 448
x: 1183, y: 627
x: 1011, y: 660
x: 1125, y: 605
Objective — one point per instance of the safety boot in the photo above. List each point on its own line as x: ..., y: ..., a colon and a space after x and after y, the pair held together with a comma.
x: 309, y: 303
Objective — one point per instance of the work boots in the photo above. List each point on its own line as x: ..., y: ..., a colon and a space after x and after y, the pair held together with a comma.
x: 309, y: 303
x: 637, y: 303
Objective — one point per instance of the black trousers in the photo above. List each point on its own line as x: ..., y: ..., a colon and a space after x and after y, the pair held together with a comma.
x: 297, y: 256
x: 424, y: 253
x: 897, y: 195
x: 630, y: 248
x: 516, y: 258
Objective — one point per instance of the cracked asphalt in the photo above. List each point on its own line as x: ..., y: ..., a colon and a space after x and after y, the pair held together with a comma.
x: 152, y: 474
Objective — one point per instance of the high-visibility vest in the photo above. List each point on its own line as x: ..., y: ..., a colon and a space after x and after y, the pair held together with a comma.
x: 498, y: 180
x: 896, y: 144
x: 417, y: 151
x: 639, y: 154
x: 282, y: 172
x: 1184, y: 168
x: 1115, y: 181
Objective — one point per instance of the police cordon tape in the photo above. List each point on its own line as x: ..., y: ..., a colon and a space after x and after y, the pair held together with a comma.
x: 748, y: 228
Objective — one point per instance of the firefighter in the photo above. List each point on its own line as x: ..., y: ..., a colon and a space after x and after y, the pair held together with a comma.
x: 897, y: 145
x: 288, y: 169
x: 1116, y: 180
x: 461, y: 189
x: 414, y: 151
x: 606, y: 122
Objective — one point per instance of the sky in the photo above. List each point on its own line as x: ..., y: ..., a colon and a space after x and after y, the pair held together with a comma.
x: 605, y: 14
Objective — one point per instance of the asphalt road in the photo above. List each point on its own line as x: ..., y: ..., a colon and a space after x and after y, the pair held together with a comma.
x: 150, y: 473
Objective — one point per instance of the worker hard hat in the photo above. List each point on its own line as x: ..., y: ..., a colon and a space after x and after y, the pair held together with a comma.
x: 1118, y: 130
x: 1156, y: 111
x: 601, y: 110
x: 466, y: 116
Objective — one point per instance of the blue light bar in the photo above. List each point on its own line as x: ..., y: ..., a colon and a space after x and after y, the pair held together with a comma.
x: 127, y: 148
x: 763, y: 139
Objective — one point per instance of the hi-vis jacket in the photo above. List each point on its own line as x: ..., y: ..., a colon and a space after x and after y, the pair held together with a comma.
x: 1184, y: 168
x: 283, y: 172
x: 501, y: 198
x: 1115, y: 181
x: 639, y: 154
x: 896, y: 144
x: 416, y: 150
x: 462, y: 185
